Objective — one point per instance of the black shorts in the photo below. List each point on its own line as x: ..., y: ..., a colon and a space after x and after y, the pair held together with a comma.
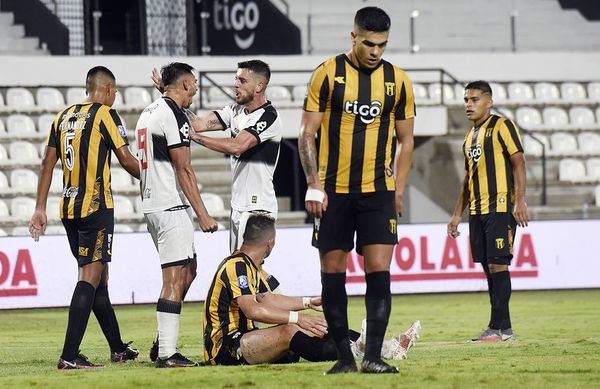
x: 372, y: 216
x: 90, y: 237
x: 492, y: 237
x: 229, y: 354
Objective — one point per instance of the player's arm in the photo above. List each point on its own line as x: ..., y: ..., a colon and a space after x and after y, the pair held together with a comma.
x: 265, y: 313
x: 245, y: 140
x: 206, y: 122
x: 39, y: 219
x: 180, y: 157
x: 459, y: 208
x: 309, y: 125
x: 404, y: 152
x: 520, y: 213
x: 128, y: 161
x: 289, y: 303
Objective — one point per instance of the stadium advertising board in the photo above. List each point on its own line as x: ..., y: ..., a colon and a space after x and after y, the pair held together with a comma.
x: 547, y: 255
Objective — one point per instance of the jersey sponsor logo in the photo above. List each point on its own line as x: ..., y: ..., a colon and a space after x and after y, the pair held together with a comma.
x: 109, y: 245
x: 122, y: 131
x: 367, y: 113
x: 185, y: 131
x: 389, y: 172
x: 83, y: 251
x: 243, y: 282
x: 239, y: 16
x: 261, y: 126
x: 70, y: 192
x: 339, y: 80
x: 474, y: 153
x: 390, y: 88
x: 254, y: 199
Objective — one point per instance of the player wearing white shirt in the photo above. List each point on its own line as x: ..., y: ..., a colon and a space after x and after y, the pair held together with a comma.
x: 256, y: 134
x: 169, y: 188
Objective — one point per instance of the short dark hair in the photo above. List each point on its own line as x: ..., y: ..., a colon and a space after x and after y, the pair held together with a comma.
x: 372, y: 19
x: 257, y: 66
x: 95, y: 71
x: 257, y: 228
x: 481, y: 85
x: 173, y: 71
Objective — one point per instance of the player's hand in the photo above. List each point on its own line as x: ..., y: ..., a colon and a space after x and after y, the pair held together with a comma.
x: 316, y: 208
x: 37, y: 224
x: 208, y: 224
x: 157, y: 80
x: 452, y: 227
x: 316, y: 304
x: 520, y: 213
x: 399, y: 198
x: 312, y: 325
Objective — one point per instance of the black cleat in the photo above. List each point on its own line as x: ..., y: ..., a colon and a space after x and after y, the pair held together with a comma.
x: 175, y: 360
x: 80, y: 362
x: 342, y: 367
x: 129, y: 354
x: 377, y: 367
x: 154, y: 351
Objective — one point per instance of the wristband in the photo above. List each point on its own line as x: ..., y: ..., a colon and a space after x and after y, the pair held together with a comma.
x: 314, y: 195
x: 306, y: 302
x: 293, y: 319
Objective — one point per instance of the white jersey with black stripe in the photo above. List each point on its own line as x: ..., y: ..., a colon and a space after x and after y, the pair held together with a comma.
x: 162, y: 126
x: 252, y: 184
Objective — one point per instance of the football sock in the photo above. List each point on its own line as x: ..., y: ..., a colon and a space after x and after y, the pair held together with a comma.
x: 353, y: 335
x: 79, y: 314
x: 167, y: 316
x: 105, y: 314
x: 490, y: 283
x: 335, y: 306
x: 313, y: 349
x: 502, y: 292
x: 378, y: 300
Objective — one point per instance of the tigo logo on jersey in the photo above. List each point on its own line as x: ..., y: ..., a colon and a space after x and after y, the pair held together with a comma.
x: 367, y: 113
x: 474, y: 153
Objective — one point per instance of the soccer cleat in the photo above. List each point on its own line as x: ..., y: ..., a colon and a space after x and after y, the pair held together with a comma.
x: 175, y: 360
x: 377, y: 367
x: 154, y: 351
x: 342, y: 367
x: 488, y: 336
x: 397, y: 347
x: 129, y: 354
x: 358, y: 349
x: 507, y: 335
x: 80, y: 362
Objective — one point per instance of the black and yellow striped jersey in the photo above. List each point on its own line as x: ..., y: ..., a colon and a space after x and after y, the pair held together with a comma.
x: 236, y: 276
x: 83, y: 135
x: 357, y: 135
x: 487, y: 150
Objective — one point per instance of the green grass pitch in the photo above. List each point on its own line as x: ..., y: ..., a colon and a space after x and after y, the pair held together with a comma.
x: 558, y: 346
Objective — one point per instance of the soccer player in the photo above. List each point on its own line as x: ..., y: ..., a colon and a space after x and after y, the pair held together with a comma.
x: 83, y: 136
x: 494, y: 190
x: 253, y: 145
x: 362, y: 107
x: 169, y: 188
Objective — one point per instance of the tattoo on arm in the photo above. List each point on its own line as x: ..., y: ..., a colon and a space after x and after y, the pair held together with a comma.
x: 213, y: 123
x: 308, y: 156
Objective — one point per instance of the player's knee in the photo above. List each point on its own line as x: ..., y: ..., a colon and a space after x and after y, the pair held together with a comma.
x: 497, y: 267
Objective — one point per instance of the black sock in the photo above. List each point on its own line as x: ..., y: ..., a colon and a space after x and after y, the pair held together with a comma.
x: 105, y: 314
x: 335, y: 308
x: 502, y: 292
x: 79, y: 313
x: 353, y: 335
x: 313, y: 349
x: 378, y: 300
x: 490, y: 283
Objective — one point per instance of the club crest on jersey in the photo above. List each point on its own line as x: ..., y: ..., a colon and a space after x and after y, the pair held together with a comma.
x: 499, y: 243
x: 367, y: 113
x: 390, y: 88
x: 243, y: 282
x: 393, y: 226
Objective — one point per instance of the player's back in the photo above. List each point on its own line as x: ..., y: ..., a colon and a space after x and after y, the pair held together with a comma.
x: 161, y: 127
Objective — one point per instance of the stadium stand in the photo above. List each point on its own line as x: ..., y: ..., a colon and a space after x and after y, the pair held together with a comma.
x: 49, y: 99
x: 19, y: 99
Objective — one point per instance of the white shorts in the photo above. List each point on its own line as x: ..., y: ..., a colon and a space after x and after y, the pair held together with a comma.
x: 237, y: 226
x: 173, y: 236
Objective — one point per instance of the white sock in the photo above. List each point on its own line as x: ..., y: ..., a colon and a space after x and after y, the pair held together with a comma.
x: 168, y: 333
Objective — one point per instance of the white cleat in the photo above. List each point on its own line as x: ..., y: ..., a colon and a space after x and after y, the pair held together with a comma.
x: 397, y: 347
